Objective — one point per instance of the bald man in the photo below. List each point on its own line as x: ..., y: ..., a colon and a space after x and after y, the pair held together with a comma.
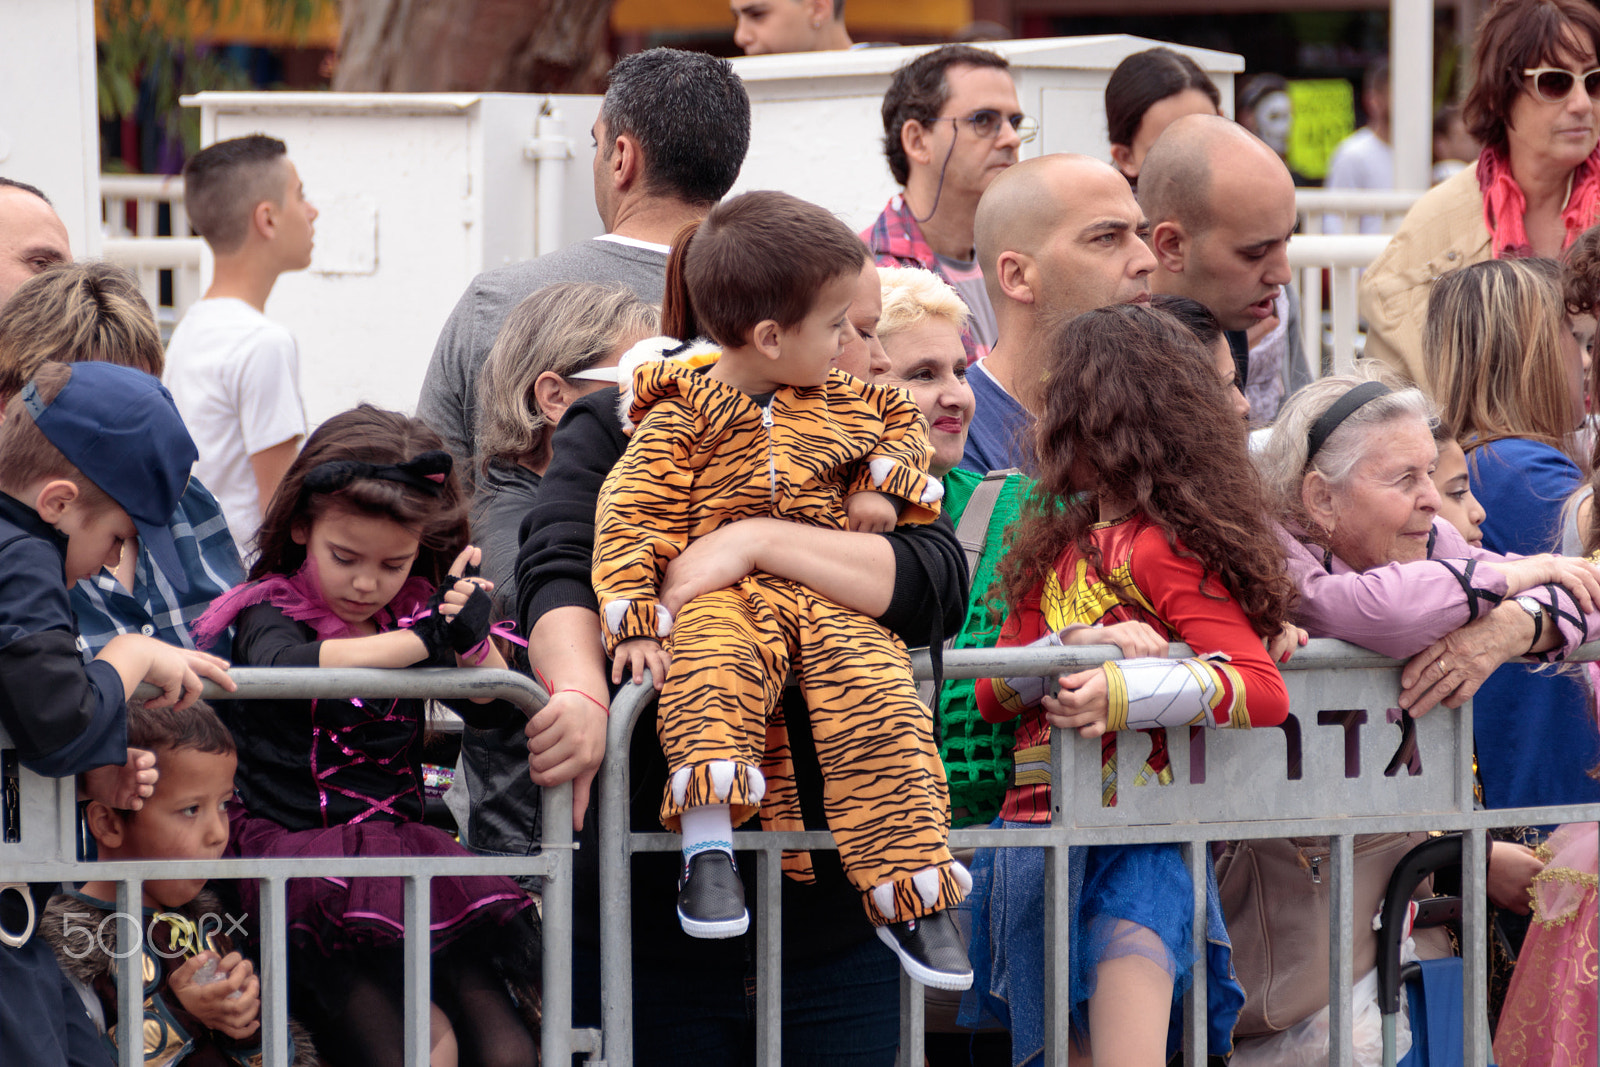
x: 1221, y: 210
x: 1056, y: 236
x: 32, y: 236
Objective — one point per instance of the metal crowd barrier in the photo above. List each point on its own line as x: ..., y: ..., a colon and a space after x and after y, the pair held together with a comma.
x: 39, y: 817
x: 1338, y: 767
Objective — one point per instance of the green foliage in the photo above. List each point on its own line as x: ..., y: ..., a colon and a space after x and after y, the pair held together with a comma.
x: 150, y: 45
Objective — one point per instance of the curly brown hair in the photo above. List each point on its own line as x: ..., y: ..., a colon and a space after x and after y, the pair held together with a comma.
x: 1132, y: 409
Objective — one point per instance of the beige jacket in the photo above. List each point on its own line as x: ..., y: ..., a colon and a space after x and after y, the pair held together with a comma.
x: 1444, y: 231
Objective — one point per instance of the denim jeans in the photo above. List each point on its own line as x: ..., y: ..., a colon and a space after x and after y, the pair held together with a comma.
x: 842, y: 1008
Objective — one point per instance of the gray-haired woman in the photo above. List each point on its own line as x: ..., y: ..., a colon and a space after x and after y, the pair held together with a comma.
x: 561, y: 343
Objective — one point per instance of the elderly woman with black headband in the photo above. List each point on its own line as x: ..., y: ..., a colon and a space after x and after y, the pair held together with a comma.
x: 1349, y: 460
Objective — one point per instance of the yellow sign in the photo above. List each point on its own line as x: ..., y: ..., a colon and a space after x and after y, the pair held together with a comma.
x: 1324, y: 115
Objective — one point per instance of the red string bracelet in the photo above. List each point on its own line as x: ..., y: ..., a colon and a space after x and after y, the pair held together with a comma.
x: 586, y: 696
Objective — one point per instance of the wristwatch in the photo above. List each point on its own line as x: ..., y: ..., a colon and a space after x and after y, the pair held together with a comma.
x: 1535, y: 611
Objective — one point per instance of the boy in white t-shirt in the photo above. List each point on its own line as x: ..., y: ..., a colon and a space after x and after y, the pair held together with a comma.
x: 234, y: 374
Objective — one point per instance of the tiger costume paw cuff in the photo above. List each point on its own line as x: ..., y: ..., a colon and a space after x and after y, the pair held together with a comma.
x: 915, y: 895
x: 714, y: 782
x: 628, y: 619
x: 919, y: 490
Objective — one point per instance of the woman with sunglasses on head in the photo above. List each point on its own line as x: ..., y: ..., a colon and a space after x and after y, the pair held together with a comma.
x: 1536, y: 109
x: 559, y: 344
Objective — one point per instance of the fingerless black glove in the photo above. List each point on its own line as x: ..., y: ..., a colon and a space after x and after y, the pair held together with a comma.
x: 458, y: 633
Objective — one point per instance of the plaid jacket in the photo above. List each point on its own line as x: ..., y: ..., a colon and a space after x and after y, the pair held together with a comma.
x: 154, y: 608
x: 896, y: 240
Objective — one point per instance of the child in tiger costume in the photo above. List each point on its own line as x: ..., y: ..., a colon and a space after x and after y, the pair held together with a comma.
x: 766, y: 427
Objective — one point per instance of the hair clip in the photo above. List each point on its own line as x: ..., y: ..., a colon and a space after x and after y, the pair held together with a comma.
x: 426, y: 472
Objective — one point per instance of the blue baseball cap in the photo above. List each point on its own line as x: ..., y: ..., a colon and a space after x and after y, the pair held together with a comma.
x: 120, y: 427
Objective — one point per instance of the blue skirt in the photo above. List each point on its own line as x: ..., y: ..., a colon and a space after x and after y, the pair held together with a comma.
x: 1144, y: 884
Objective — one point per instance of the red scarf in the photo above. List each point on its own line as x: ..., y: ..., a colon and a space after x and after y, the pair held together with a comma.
x: 1504, y: 205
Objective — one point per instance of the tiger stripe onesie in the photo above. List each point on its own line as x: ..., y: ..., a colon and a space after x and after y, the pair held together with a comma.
x: 704, y: 455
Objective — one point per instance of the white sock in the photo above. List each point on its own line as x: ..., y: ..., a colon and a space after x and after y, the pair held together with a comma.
x: 706, y: 826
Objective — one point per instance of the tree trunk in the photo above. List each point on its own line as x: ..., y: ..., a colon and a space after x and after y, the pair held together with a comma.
x: 473, y: 46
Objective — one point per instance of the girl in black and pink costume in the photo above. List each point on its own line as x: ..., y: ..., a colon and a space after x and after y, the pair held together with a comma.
x: 365, y: 522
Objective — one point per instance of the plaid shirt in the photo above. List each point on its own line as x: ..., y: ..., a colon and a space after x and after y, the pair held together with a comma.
x: 895, y: 240
x: 210, y: 560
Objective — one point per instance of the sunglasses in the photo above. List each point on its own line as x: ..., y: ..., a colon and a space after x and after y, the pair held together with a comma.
x: 1554, y: 84
x: 986, y: 124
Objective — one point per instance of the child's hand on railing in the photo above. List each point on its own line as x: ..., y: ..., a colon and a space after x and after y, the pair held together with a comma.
x: 1136, y: 639
x: 1083, y: 702
x: 123, y: 786
x: 637, y: 654
x: 230, y: 1003
x: 1282, y: 645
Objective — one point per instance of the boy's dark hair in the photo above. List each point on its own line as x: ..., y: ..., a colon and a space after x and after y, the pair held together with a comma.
x: 691, y: 116
x: 223, y: 184
x: 75, y: 312
x: 919, y: 91
x: 1143, y: 80
x: 29, y: 455
x: 366, y: 434
x: 761, y: 255
x: 196, y: 727
x: 12, y: 183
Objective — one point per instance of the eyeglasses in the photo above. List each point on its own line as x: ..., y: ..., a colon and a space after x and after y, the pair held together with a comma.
x: 986, y: 124
x: 1554, y: 84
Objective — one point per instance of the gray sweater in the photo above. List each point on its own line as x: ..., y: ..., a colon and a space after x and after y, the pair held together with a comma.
x: 449, y: 400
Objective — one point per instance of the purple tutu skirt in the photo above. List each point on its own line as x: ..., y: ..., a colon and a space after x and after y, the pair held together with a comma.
x: 335, y: 914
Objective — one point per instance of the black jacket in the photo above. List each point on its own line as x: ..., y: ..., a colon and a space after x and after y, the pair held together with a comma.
x: 553, y: 571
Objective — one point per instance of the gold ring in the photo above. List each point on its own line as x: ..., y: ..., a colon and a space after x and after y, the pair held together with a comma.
x: 1444, y: 668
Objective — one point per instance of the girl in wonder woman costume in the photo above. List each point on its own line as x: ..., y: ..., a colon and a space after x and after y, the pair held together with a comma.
x: 1148, y: 526
x: 356, y: 571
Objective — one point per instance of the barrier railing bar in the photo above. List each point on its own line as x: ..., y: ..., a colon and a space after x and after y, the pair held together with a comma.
x: 769, y: 959
x: 1341, y: 964
x: 275, y: 967
x: 616, y: 873
x: 554, y: 864
x: 130, y: 993
x: 1196, y: 1031
x: 418, y: 987
x: 1475, y: 952
x: 622, y: 843
x: 913, y: 1022
x: 1180, y: 833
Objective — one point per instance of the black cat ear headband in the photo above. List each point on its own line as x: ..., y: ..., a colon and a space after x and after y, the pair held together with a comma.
x: 426, y: 472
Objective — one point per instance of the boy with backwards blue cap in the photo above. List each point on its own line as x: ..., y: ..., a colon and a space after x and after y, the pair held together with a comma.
x: 95, y: 454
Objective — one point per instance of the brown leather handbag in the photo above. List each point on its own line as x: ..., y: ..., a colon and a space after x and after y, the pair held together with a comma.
x: 1275, y: 899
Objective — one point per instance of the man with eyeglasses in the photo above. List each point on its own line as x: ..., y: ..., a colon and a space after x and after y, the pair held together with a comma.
x: 951, y: 125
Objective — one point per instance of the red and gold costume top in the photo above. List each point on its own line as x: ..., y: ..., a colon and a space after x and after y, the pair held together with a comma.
x: 1149, y: 583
